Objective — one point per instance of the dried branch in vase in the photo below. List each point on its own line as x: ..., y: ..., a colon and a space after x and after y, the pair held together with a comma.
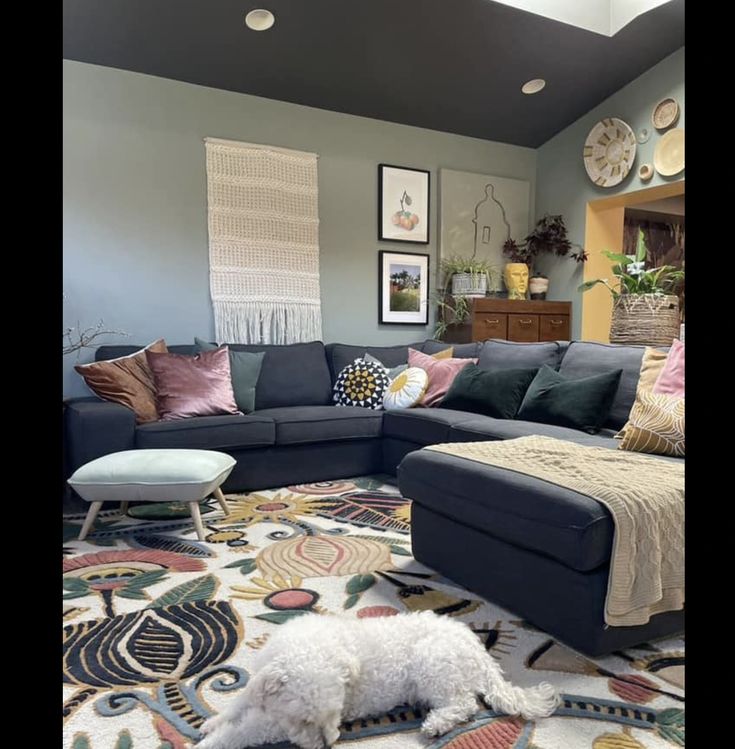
x: 76, y: 339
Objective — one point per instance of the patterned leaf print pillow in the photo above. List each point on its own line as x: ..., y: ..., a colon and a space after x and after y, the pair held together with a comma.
x: 655, y: 425
x: 361, y: 384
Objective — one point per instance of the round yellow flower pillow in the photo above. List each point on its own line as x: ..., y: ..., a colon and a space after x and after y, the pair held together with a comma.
x: 407, y: 389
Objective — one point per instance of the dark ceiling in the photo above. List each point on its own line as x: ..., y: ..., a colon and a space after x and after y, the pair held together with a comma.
x: 452, y: 65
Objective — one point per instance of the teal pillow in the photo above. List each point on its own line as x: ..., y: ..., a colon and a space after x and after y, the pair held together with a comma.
x: 582, y: 403
x: 392, y: 372
x: 244, y: 372
x: 495, y: 393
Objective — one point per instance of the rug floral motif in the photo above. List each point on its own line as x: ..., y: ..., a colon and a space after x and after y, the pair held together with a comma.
x: 160, y: 628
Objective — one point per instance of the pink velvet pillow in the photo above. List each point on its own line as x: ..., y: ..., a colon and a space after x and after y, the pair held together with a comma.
x: 441, y: 374
x: 670, y: 380
x: 192, y: 385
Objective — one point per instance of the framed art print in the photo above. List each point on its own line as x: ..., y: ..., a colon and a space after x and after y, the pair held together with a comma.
x: 403, y: 291
x: 403, y: 204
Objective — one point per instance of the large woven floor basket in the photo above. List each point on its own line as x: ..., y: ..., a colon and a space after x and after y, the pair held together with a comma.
x: 645, y: 319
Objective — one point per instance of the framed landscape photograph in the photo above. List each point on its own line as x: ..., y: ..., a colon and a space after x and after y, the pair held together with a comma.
x: 403, y: 204
x: 403, y: 291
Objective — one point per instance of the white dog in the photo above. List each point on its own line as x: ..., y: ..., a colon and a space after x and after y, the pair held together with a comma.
x: 317, y: 671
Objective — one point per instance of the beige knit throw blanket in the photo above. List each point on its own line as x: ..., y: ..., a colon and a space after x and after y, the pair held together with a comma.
x: 263, y: 224
x: 645, y: 496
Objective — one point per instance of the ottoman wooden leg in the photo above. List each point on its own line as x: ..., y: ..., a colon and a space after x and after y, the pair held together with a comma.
x: 124, y: 507
x: 220, y: 497
x: 196, y: 515
x: 94, y: 508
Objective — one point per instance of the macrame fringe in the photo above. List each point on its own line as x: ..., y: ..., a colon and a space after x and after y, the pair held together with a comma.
x: 267, y: 322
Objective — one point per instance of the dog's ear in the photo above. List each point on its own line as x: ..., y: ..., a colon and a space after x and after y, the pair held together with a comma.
x: 266, y: 683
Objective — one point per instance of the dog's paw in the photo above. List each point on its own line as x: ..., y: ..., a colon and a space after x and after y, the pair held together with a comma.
x: 435, y: 726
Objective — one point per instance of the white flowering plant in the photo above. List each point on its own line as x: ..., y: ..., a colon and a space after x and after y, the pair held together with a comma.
x: 633, y: 277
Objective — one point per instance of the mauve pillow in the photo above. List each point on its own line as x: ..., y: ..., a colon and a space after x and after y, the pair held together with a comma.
x: 441, y: 374
x: 126, y: 380
x: 671, y: 379
x: 192, y: 385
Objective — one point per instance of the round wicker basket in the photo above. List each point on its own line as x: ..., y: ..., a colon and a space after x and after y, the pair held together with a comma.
x: 645, y: 319
x: 469, y: 284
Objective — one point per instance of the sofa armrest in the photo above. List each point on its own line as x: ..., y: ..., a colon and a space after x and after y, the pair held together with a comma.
x: 93, y: 428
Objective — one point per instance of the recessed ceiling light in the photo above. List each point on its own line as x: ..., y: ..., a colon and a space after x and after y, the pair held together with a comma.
x: 533, y: 86
x: 259, y: 19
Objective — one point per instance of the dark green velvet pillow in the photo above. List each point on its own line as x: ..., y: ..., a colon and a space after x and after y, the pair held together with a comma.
x: 244, y: 372
x: 495, y: 393
x: 582, y: 403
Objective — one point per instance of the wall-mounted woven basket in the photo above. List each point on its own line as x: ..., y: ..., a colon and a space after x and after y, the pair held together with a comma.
x: 469, y: 284
x: 645, y: 319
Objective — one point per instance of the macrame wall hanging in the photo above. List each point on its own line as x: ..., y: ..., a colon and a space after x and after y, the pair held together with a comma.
x: 263, y: 243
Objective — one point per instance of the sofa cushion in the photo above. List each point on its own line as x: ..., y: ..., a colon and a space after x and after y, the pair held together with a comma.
x: 300, y: 425
x: 495, y: 354
x: 339, y: 355
x: 189, y: 386
x: 459, y: 350
x: 424, y: 426
x: 126, y: 380
x: 577, y: 402
x: 586, y: 358
x: 361, y: 384
x: 522, y: 510
x: 208, y: 433
x: 495, y: 393
x: 487, y: 428
x: 244, y: 371
x: 295, y: 374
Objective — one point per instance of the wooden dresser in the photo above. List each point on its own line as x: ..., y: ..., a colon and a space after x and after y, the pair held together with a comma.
x: 513, y: 320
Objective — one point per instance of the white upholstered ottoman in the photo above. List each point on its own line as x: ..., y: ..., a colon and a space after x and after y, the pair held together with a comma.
x: 152, y: 476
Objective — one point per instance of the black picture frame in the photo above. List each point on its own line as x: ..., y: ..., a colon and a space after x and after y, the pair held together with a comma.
x: 393, y: 184
x: 405, y: 260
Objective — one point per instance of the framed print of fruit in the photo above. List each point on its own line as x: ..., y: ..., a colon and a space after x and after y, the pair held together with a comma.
x: 403, y: 204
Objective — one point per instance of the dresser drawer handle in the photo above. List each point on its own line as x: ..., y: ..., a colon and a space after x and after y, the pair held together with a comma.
x: 492, y: 322
x: 525, y: 322
x: 556, y: 323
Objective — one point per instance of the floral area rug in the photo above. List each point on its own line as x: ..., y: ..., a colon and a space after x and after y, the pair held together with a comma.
x: 160, y: 628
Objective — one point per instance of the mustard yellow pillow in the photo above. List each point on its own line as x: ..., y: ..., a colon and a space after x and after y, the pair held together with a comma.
x: 448, y: 353
x: 651, y: 365
x: 656, y: 425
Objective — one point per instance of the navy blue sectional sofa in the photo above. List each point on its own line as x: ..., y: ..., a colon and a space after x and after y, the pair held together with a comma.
x: 541, y: 551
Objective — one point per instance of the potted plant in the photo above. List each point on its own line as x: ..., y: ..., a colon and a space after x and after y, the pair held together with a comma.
x: 463, y: 279
x: 549, y: 236
x: 467, y: 277
x: 538, y: 285
x: 645, y: 309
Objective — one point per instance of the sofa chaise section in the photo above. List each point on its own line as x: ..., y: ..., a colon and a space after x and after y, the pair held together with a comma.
x: 540, y: 550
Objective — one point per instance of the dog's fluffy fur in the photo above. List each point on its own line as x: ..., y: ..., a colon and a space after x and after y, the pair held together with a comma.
x: 317, y: 671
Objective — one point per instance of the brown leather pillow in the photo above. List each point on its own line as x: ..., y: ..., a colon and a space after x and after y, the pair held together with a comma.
x: 127, y: 381
x: 193, y: 385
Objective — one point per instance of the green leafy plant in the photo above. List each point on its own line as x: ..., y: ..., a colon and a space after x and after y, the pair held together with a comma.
x: 456, y: 309
x: 549, y: 237
x: 633, y: 277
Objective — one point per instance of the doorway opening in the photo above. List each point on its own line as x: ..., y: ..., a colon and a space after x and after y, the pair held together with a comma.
x: 613, y: 224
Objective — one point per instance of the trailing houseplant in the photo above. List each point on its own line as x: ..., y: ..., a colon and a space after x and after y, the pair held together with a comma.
x: 452, y: 298
x: 645, y: 307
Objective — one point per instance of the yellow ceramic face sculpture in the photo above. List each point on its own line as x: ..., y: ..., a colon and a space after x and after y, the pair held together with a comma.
x: 516, y: 280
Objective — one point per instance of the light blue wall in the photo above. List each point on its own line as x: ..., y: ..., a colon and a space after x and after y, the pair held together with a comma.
x: 135, y: 210
x: 562, y: 184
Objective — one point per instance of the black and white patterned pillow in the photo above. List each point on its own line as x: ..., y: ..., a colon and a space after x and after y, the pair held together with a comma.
x: 361, y: 384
